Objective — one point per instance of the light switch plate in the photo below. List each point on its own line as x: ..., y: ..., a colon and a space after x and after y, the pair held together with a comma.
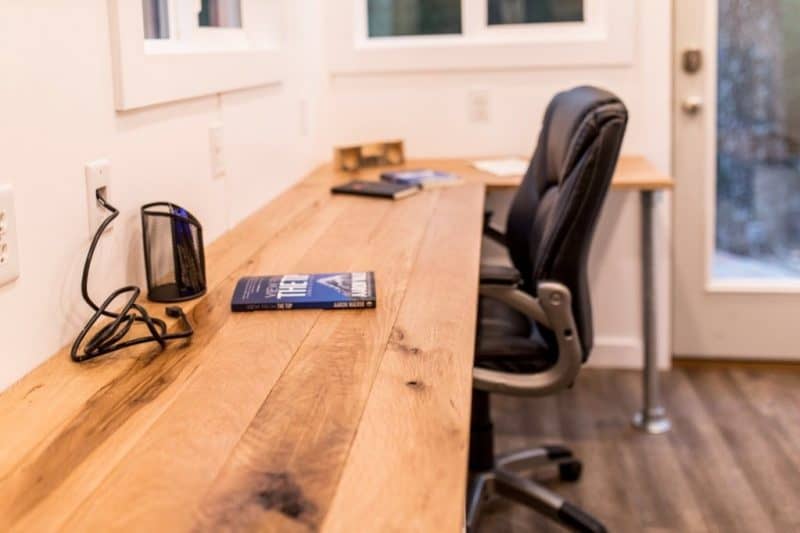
x: 9, y: 248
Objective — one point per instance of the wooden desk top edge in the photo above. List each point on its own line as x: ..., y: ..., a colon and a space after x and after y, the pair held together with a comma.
x: 634, y: 172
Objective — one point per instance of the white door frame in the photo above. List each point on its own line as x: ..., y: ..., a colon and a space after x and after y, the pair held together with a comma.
x: 751, y: 319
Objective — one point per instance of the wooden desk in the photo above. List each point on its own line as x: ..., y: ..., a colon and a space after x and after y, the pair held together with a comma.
x: 289, y: 420
x: 633, y: 173
x: 297, y: 420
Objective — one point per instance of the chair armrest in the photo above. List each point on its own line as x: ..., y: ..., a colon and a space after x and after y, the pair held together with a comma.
x: 500, y: 275
x: 553, y: 309
x: 490, y: 230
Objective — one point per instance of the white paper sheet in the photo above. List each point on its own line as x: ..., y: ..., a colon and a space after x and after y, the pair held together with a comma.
x: 512, y: 166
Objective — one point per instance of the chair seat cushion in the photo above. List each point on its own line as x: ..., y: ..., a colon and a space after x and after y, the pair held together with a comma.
x: 509, y: 342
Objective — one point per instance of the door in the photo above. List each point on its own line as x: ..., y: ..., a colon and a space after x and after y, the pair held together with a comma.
x: 737, y: 167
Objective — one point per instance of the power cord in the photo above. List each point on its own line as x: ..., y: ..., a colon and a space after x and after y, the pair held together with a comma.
x: 109, y: 338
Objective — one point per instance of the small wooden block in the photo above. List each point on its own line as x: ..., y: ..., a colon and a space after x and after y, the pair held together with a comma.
x: 352, y: 158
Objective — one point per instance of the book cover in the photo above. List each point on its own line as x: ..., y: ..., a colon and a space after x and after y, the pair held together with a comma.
x: 380, y: 189
x: 338, y: 290
x: 424, y: 178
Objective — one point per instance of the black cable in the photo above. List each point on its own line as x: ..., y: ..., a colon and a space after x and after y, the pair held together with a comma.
x: 109, y: 338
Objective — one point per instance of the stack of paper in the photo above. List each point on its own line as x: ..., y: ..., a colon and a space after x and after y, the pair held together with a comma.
x: 513, y: 166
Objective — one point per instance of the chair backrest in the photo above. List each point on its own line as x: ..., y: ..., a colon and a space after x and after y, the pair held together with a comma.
x: 554, y: 213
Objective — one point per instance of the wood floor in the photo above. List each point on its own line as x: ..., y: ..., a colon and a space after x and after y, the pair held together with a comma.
x: 731, y: 462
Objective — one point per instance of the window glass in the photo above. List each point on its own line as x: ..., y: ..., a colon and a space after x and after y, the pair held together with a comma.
x: 534, y: 11
x: 221, y: 14
x: 413, y: 17
x: 156, y: 19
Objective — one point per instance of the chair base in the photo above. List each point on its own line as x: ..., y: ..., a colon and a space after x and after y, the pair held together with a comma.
x: 504, y: 480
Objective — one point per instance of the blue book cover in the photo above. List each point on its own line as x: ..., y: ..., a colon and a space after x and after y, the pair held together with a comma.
x: 338, y: 290
x: 423, y: 178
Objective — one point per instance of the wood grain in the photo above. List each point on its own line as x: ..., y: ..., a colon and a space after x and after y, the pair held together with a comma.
x: 273, y: 420
x: 729, y: 464
x: 281, y: 466
x: 243, y: 335
x: 420, y: 394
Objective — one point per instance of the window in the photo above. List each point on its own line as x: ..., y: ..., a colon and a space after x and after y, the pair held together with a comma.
x: 166, y: 50
x: 214, y: 24
x: 221, y: 14
x: 534, y: 11
x: 413, y: 17
x: 426, y: 35
x: 156, y: 19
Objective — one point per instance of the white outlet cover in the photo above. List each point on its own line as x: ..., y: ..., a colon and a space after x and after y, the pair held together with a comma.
x: 216, y: 143
x: 98, y: 175
x: 478, y: 105
x: 9, y: 247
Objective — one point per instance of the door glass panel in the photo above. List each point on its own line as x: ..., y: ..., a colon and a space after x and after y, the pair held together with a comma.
x: 758, y: 140
x: 388, y: 18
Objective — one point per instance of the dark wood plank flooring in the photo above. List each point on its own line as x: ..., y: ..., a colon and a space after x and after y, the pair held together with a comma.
x: 731, y: 462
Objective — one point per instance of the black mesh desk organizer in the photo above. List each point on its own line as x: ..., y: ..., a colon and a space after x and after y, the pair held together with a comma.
x: 173, y: 253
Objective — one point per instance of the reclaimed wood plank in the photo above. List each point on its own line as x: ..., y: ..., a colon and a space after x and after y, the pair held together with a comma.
x: 407, y: 470
x: 287, y: 463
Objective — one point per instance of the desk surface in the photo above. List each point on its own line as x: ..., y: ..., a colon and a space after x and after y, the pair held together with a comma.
x: 273, y: 419
x: 633, y: 173
x: 277, y: 420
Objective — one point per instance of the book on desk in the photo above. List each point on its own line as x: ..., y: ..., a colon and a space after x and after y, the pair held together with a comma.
x: 398, y: 184
x: 337, y: 290
x: 422, y: 178
x: 376, y: 189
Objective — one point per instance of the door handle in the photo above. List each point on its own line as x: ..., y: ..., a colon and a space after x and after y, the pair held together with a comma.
x: 692, y: 105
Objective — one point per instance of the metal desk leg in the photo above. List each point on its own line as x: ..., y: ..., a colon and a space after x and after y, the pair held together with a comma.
x: 652, y: 418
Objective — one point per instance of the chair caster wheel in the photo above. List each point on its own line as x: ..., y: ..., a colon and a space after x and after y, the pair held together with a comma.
x: 570, y: 470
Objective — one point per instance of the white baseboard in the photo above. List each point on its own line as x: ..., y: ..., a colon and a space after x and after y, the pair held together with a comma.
x: 620, y: 352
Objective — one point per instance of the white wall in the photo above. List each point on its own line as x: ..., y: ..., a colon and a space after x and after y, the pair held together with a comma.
x: 430, y: 112
x: 58, y: 114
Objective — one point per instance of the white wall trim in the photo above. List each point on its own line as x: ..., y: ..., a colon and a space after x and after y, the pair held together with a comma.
x: 607, y: 38
x: 621, y: 352
x: 145, y: 76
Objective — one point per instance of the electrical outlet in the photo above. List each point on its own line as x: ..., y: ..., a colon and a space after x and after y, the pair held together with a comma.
x: 98, y: 180
x: 478, y: 105
x: 9, y: 250
x: 216, y: 142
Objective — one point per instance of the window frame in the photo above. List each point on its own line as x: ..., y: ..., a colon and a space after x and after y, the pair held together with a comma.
x: 606, y: 36
x: 212, y: 60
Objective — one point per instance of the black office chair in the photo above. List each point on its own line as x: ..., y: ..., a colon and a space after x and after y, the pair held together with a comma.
x: 535, y: 318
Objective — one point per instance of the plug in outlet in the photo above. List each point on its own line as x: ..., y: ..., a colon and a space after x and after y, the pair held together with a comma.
x: 216, y: 139
x: 98, y: 181
x: 9, y: 250
x: 478, y: 108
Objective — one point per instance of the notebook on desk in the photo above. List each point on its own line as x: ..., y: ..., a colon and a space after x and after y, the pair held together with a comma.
x: 376, y: 189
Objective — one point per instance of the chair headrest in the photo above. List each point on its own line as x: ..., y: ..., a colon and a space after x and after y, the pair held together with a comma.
x: 574, y: 118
